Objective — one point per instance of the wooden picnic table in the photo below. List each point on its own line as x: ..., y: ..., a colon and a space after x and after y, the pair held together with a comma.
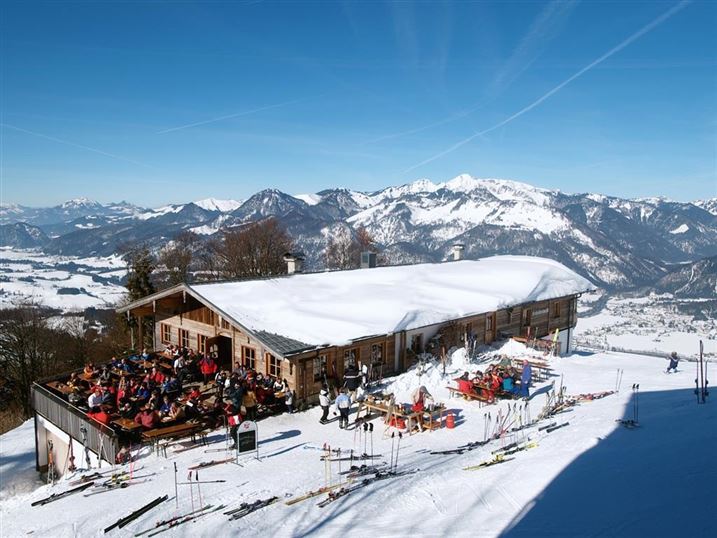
x: 541, y: 369
x: 155, y: 435
x: 127, y: 424
x: 60, y: 387
x: 413, y: 420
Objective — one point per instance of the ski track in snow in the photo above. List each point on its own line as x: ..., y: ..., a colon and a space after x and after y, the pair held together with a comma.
x: 636, y: 486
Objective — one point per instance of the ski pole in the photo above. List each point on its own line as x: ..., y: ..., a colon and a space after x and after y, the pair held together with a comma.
x: 176, y: 495
x: 393, y: 436
x: 637, y: 404
x: 398, y: 447
x: 370, y: 428
x: 191, y: 488
x: 339, y: 458
x: 199, y: 488
x: 365, y: 438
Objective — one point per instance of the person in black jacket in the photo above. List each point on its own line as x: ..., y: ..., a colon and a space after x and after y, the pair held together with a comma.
x: 352, y: 380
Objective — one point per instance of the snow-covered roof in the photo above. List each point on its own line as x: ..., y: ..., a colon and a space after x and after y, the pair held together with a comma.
x: 334, y: 308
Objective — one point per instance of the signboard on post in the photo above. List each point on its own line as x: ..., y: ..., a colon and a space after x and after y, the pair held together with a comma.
x: 248, y: 438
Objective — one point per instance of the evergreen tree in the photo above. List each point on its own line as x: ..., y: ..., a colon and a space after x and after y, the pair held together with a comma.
x: 140, y: 266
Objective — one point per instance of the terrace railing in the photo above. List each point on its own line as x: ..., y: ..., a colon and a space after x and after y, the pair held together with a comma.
x: 100, y: 439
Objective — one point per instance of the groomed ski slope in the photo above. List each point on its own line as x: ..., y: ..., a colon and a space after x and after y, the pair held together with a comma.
x: 591, y: 478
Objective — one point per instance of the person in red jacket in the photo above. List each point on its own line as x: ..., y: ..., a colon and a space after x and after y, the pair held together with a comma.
x: 99, y: 414
x: 147, y: 417
x: 208, y: 368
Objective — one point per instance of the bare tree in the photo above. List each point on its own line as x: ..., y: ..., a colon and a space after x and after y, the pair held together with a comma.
x: 27, y: 350
x: 253, y: 251
x: 344, y: 248
x: 178, y: 257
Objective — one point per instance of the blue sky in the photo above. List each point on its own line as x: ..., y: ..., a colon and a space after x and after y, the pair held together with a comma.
x: 156, y: 102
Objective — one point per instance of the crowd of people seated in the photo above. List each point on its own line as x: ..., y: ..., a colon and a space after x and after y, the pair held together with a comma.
x: 498, y: 380
x: 149, y: 390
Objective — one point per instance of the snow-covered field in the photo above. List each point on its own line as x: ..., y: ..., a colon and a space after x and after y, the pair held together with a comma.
x: 68, y: 283
x: 591, y: 478
x: 650, y: 324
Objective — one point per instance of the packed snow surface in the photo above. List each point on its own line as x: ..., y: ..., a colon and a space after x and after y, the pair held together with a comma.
x: 337, y: 307
x: 590, y: 478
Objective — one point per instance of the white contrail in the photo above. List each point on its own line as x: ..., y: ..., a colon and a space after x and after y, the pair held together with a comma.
x: 229, y: 116
x: 73, y: 144
x: 645, y: 29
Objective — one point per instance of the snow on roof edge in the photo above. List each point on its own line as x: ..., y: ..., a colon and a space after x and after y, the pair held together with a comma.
x: 339, y: 307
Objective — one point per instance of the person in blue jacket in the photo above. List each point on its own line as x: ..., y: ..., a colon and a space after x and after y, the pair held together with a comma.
x: 525, y: 378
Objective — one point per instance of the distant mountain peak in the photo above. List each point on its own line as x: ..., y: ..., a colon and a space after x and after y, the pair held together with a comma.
x: 80, y: 202
x: 215, y: 204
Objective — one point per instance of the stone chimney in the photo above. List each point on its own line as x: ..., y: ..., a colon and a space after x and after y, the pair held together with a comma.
x: 457, y: 251
x: 368, y: 260
x: 294, y: 262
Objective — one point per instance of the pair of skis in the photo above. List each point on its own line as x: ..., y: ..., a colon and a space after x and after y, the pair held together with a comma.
x: 210, y: 463
x: 137, y: 513
x: 347, y: 490
x: 701, y: 381
x: 245, y: 509
x: 56, y: 496
x: 191, y: 516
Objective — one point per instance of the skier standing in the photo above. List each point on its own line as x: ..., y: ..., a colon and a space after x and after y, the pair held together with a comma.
x: 324, y: 402
x: 525, y: 378
x: 343, y: 404
x: 673, y: 362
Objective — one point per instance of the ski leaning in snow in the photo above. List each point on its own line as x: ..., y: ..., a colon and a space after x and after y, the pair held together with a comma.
x: 56, y: 496
x: 204, y: 464
x: 246, y: 509
x: 499, y: 458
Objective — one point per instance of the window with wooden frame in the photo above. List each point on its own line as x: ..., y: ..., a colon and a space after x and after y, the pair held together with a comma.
x: 248, y: 357
x: 184, y: 338
x: 201, y: 343
x: 351, y: 357
x: 165, y: 332
x: 527, y: 317
x: 376, y: 353
x: 489, y: 322
x: 273, y: 365
x: 556, y: 309
x: 319, y: 365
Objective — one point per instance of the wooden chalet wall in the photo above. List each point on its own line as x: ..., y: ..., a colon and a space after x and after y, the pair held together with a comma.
x: 336, y: 358
x: 199, y: 320
x: 303, y: 370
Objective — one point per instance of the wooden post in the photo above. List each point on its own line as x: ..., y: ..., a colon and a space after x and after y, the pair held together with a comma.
x: 140, y: 331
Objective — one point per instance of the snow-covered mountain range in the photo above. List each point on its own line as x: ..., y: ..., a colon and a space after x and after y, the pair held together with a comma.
x: 617, y: 243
